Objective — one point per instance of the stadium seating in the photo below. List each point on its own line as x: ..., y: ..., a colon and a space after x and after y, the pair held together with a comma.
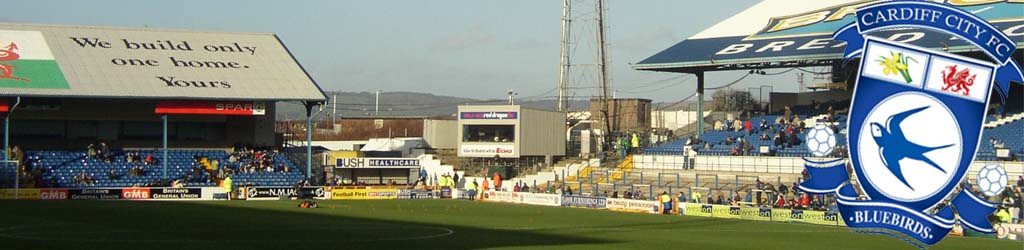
x: 718, y: 147
x: 1007, y: 133
x: 60, y: 167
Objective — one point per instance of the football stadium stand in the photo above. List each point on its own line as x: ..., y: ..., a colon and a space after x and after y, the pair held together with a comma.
x: 69, y: 169
x: 998, y: 132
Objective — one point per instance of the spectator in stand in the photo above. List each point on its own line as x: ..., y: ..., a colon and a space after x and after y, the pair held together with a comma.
x: 746, y: 147
x: 634, y: 144
x: 737, y: 125
x: 805, y: 201
x: 92, y: 152
x: 105, y: 152
x: 764, y: 137
x: 787, y: 114
x: 764, y: 125
x: 112, y: 175
x: 525, y: 188
x: 748, y: 126
x: 794, y: 140
x: 77, y: 179
x: 719, y: 126
x: 729, y: 140
x: 817, y: 203
x: 150, y: 160
x: 780, y: 201
x: 779, y: 141
x: 1018, y: 204
x: 627, y: 195
x: 711, y: 200
x: 18, y: 155
x: 1003, y: 214
x: 682, y: 197
x: 516, y: 188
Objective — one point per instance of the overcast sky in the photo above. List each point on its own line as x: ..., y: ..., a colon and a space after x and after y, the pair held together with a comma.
x: 469, y: 48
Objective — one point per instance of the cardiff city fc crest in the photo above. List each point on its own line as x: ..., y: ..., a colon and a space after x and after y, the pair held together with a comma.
x: 915, y: 124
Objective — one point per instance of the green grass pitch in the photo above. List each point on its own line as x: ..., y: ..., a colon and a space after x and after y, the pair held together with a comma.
x: 406, y: 224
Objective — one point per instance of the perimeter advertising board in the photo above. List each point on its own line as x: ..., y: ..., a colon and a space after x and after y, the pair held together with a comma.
x: 270, y: 193
x: 754, y: 213
x: 95, y: 194
x: 702, y: 210
x: 22, y: 194
x: 541, y: 199
x: 176, y: 193
x: 502, y: 196
x: 584, y: 201
x: 415, y: 194
x: 128, y: 193
x: 1010, y: 231
x: 364, y: 194
x: 630, y: 205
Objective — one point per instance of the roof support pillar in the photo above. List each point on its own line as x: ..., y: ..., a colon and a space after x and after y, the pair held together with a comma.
x: 309, y: 140
x: 165, y: 160
x: 700, y: 103
x: 7, y: 145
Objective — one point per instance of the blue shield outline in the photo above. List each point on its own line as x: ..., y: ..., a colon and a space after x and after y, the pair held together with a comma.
x: 969, y: 114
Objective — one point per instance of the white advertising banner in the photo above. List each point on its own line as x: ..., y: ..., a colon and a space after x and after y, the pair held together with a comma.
x: 1010, y: 231
x: 541, y: 199
x: 633, y: 205
x: 503, y: 196
x: 488, y: 150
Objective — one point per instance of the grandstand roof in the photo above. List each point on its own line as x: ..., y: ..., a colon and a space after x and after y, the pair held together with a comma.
x: 143, y: 63
x: 795, y: 33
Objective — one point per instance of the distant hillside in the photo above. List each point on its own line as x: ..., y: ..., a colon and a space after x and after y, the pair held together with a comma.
x: 416, y: 104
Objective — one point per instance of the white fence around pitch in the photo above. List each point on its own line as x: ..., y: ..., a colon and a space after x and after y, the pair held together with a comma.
x: 772, y: 165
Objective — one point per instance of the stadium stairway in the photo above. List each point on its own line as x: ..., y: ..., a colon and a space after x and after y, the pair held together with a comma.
x: 992, y: 122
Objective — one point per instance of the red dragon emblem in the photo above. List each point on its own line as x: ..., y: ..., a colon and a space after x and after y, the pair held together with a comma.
x: 7, y: 54
x: 955, y: 81
x: 7, y: 70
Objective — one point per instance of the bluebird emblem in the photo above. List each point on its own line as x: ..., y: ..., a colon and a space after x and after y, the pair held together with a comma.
x: 893, y: 145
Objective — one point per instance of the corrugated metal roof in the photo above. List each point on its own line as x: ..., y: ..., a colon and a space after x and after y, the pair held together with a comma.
x: 137, y: 63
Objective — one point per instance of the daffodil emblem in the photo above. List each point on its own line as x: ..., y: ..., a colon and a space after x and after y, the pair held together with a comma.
x: 897, y: 64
